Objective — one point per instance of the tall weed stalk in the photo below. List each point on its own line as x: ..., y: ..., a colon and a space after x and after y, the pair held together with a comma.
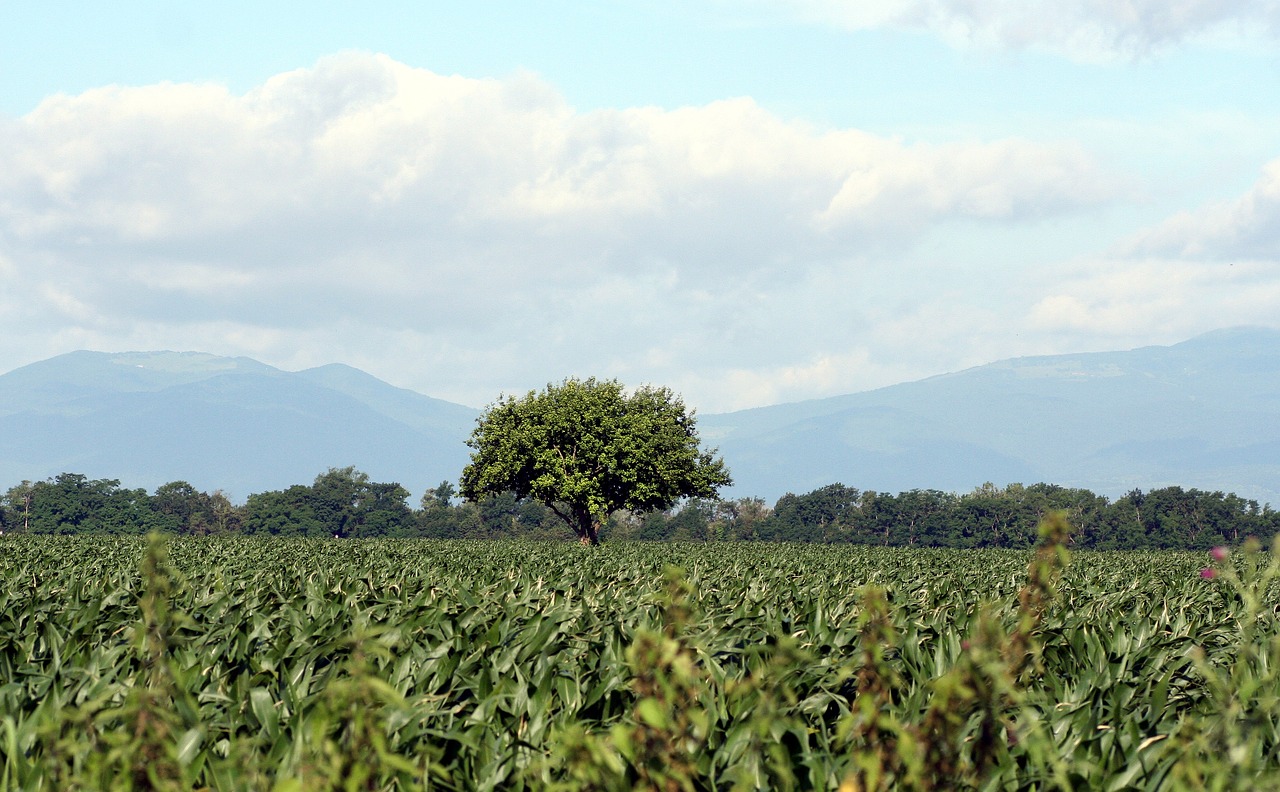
x: 1234, y: 741
x: 151, y: 738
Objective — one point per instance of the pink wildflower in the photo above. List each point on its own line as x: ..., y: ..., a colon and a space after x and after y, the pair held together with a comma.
x: 1208, y: 573
x: 1218, y: 554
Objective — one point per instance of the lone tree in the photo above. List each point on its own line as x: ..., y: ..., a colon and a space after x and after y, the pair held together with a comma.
x: 586, y: 449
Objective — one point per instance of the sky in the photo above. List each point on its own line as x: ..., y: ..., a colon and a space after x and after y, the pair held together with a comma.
x: 751, y: 202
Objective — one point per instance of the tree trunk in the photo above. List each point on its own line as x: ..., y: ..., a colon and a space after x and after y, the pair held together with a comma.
x: 586, y: 527
x: 589, y: 532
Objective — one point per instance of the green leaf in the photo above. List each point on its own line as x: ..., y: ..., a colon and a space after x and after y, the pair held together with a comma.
x: 651, y: 712
x: 264, y: 709
x: 189, y: 745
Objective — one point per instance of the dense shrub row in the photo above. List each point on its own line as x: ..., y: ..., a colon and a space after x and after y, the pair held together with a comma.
x: 346, y: 503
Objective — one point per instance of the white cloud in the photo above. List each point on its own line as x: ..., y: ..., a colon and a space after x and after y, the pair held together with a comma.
x: 1247, y: 228
x: 1008, y: 179
x: 465, y: 236
x: 368, y: 143
x: 1082, y: 29
x: 1196, y: 271
x: 828, y: 373
x: 1130, y: 302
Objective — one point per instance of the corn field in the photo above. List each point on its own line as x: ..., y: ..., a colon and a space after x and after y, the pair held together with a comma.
x: 273, y: 664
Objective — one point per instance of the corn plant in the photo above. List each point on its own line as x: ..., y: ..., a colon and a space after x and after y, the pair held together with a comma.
x: 231, y: 663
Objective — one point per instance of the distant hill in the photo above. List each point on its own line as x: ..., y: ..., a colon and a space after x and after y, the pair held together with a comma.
x: 1204, y: 413
x: 147, y: 418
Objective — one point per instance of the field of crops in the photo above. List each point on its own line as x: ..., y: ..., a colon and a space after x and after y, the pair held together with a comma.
x: 234, y: 663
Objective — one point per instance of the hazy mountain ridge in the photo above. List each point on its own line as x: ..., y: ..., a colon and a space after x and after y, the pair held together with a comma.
x: 402, y: 404
x: 229, y: 423
x: 1200, y: 413
x: 1203, y: 413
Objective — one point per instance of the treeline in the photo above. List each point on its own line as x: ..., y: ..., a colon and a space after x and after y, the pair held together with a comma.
x: 1169, y: 518
x: 342, y: 502
x: 345, y: 503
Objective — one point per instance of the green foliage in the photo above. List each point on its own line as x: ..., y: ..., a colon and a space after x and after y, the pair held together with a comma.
x: 148, y: 738
x: 342, y: 502
x: 245, y: 663
x: 586, y: 449
x: 1171, y: 518
x: 1237, y: 746
x: 73, y: 503
x: 347, y: 503
x: 348, y: 741
x: 181, y: 508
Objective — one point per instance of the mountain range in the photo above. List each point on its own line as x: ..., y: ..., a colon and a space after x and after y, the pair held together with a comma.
x: 235, y: 424
x: 1203, y: 413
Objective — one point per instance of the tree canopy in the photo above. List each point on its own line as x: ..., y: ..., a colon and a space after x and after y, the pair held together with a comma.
x: 342, y: 502
x: 587, y: 449
x: 346, y: 502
